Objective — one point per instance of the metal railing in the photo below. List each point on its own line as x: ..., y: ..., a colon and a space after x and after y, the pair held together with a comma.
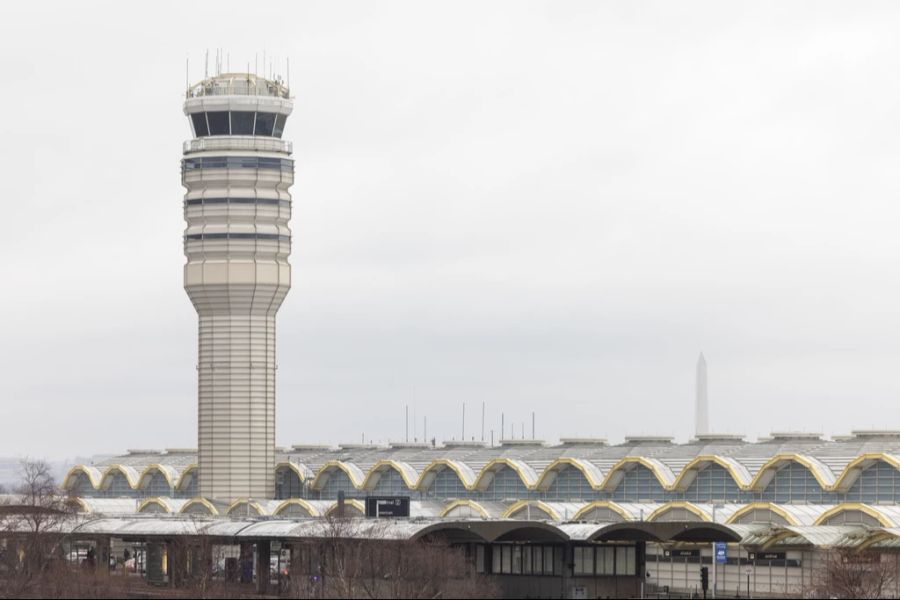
x: 263, y: 144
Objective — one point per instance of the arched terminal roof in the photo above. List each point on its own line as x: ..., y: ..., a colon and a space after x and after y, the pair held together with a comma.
x: 834, y: 465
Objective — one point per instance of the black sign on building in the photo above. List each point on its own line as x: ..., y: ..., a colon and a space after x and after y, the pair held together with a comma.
x: 387, y: 506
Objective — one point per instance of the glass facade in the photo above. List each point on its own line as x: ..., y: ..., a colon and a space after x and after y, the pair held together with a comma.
x: 390, y: 483
x: 288, y: 484
x: 447, y: 484
x: 794, y: 483
x: 338, y: 481
x: 238, y: 122
x: 638, y: 485
x: 507, y: 485
x: 218, y: 201
x: 715, y: 484
x: 237, y: 162
x: 878, y: 483
x: 570, y: 484
x: 237, y: 236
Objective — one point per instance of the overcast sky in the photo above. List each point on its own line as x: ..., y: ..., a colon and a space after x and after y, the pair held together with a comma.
x: 548, y: 207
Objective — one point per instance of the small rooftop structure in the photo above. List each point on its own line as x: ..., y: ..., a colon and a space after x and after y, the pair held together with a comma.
x: 239, y: 84
x: 580, y: 441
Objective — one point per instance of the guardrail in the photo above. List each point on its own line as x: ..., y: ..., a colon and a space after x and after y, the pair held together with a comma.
x: 238, y: 143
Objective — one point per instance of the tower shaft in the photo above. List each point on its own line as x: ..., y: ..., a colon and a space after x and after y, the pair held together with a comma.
x: 237, y: 173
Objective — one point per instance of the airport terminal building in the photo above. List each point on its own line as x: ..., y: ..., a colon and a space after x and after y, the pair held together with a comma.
x: 577, y: 518
x: 777, y: 504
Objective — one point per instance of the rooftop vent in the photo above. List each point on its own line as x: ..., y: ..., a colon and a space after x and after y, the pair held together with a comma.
x: 583, y: 441
x: 360, y: 447
x: 521, y: 442
x: 400, y: 445
x: 463, y: 444
x: 310, y: 447
x: 875, y: 433
x: 719, y: 437
x: 794, y: 435
x: 647, y: 440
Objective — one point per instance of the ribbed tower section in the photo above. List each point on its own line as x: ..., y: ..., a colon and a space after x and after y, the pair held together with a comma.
x: 237, y: 172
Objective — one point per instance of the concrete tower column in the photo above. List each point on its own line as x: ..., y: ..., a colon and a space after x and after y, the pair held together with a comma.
x: 237, y: 171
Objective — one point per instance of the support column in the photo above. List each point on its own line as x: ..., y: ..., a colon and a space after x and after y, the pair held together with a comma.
x: 568, y: 566
x: 263, y: 561
x: 102, y: 546
x: 154, y: 557
x: 246, y: 563
x: 177, y: 563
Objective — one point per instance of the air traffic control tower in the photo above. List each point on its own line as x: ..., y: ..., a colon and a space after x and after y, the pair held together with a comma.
x: 237, y: 171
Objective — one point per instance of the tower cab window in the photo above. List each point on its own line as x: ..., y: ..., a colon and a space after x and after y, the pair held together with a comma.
x: 238, y: 122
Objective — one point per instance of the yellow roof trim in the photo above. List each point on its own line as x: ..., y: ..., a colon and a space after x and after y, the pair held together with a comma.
x: 293, y: 467
x: 501, y: 461
x: 187, y: 471
x: 108, y: 473
x: 708, y: 458
x: 469, y: 503
x: 357, y: 504
x: 628, y: 460
x: 209, y: 505
x: 260, y: 511
x: 789, y: 457
x: 443, y: 462
x: 540, y: 505
x: 688, y: 506
x: 332, y: 465
x: 80, y: 469
x: 312, y: 510
x: 383, y: 465
x: 864, y: 508
x: 569, y: 461
x: 613, y: 506
x: 856, y: 462
x: 154, y: 467
x: 791, y: 519
x: 155, y: 500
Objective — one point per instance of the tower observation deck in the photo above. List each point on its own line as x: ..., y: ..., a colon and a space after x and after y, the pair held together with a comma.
x: 237, y: 172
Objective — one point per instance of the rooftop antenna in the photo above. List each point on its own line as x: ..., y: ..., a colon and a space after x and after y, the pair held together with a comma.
x: 463, y: 438
x: 502, y: 425
x: 206, y: 65
x: 256, y: 63
x: 482, y: 420
x: 701, y: 403
x: 187, y: 74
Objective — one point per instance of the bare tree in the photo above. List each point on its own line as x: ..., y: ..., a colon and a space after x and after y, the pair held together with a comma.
x: 31, y: 521
x: 355, y: 558
x: 849, y: 574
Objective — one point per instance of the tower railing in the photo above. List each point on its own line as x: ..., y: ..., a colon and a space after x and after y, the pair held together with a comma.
x: 264, y: 144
